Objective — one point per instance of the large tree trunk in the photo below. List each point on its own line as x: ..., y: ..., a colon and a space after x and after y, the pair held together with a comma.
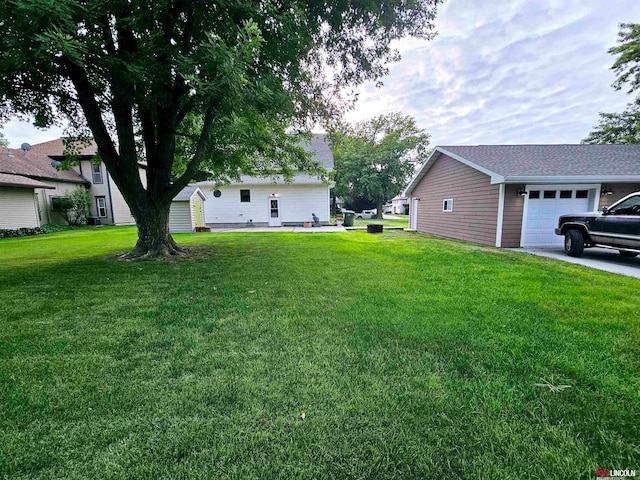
x: 154, y: 238
x: 379, y: 208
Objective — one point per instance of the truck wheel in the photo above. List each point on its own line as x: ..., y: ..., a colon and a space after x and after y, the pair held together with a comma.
x: 574, y: 243
x: 627, y: 253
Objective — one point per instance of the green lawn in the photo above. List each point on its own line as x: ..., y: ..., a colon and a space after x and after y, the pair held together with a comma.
x: 411, y: 357
x: 396, y: 221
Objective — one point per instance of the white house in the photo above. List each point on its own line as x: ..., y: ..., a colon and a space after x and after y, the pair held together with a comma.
x: 38, y: 165
x: 399, y: 205
x: 187, y: 210
x: 265, y: 202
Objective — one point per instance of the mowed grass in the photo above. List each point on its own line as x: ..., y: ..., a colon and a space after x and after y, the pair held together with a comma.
x: 410, y: 357
x: 393, y: 221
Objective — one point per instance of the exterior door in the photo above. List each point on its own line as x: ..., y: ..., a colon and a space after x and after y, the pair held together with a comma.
x: 197, y: 211
x: 274, y: 212
x: 414, y: 213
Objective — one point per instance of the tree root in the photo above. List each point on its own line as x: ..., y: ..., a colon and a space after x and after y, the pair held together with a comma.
x: 160, y: 250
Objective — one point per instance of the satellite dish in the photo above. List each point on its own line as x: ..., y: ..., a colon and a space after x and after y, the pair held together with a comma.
x: 56, y: 164
x: 25, y: 147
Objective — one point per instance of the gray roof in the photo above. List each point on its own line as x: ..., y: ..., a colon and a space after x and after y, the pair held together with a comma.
x: 319, y: 147
x: 584, y: 163
x: 552, y: 160
x: 187, y: 192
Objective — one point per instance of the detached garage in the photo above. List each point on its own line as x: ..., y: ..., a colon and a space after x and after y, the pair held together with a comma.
x: 512, y: 195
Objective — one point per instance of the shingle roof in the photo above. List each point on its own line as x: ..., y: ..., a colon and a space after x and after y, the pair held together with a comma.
x: 56, y: 148
x: 35, y: 165
x: 319, y: 147
x: 187, y: 192
x: 8, y: 180
x: 553, y: 160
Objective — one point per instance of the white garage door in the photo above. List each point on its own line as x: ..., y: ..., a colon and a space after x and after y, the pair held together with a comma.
x: 545, y: 205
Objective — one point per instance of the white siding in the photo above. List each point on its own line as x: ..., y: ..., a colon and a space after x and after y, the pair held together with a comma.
x: 297, y: 203
x: 121, y: 213
x: 18, y: 208
x: 181, y: 217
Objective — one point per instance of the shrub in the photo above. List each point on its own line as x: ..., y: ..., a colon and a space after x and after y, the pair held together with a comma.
x: 21, y: 232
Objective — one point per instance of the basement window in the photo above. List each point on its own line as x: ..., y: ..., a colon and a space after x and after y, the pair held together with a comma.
x: 447, y: 205
x: 245, y: 196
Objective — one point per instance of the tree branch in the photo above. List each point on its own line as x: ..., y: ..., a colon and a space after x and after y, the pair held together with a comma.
x: 199, y: 155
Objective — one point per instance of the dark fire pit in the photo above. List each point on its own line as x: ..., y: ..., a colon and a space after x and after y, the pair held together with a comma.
x: 374, y: 228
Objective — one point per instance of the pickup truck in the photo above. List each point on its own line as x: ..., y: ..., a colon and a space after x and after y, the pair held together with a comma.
x: 617, y: 226
x: 366, y: 214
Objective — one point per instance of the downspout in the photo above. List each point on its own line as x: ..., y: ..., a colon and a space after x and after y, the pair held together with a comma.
x: 113, y: 215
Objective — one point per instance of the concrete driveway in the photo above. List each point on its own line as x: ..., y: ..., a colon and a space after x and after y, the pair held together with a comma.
x: 599, y: 258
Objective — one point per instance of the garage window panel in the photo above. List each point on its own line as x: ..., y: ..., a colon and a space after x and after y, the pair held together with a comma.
x: 582, y: 193
x: 549, y: 194
x: 566, y: 193
x: 534, y: 194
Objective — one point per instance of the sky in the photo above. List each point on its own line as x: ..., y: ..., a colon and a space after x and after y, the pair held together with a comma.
x: 508, y: 72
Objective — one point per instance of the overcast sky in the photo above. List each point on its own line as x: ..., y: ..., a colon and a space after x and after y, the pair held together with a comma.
x: 508, y: 72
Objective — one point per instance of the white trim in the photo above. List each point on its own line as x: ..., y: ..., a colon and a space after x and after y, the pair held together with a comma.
x: 573, y: 179
x: 494, y: 176
x: 575, y: 186
x: 500, y: 215
x: 444, y: 202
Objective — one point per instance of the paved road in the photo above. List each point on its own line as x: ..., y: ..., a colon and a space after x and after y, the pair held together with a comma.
x: 598, y: 258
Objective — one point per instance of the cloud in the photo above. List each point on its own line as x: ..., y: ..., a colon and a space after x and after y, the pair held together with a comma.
x: 507, y: 72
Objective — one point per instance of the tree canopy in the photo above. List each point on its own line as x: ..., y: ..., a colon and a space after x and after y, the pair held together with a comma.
x: 623, y: 127
x: 219, y: 83
x: 375, y: 158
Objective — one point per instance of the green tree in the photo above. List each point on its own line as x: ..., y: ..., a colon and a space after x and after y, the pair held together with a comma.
x: 3, y: 140
x: 74, y: 207
x: 375, y: 158
x: 220, y: 82
x: 622, y: 127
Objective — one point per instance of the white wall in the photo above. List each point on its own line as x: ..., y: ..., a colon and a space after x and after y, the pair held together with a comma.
x: 18, y: 208
x: 297, y: 203
x: 180, y: 217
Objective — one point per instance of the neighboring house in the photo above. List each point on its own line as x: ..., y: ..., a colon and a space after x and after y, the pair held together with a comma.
x: 187, y: 210
x: 267, y: 202
x: 399, y: 205
x: 38, y: 162
x: 512, y: 195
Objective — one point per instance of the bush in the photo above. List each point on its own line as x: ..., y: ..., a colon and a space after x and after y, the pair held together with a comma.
x: 21, y: 232
x: 74, y: 208
x: 50, y: 228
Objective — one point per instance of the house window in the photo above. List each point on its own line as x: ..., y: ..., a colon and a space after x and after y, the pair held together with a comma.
x: 57, y: 203
x: 101, y: 206
x: 245, y: 196
x: 97, y: 173
x: 447, y: 205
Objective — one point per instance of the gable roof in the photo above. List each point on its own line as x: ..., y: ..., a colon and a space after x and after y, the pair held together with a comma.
x: 8, y: 180
x: 320, y: 150
x: 187, y: 193
x: 56, y: 148
x: 35, y: 165
x: 543, y: 163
